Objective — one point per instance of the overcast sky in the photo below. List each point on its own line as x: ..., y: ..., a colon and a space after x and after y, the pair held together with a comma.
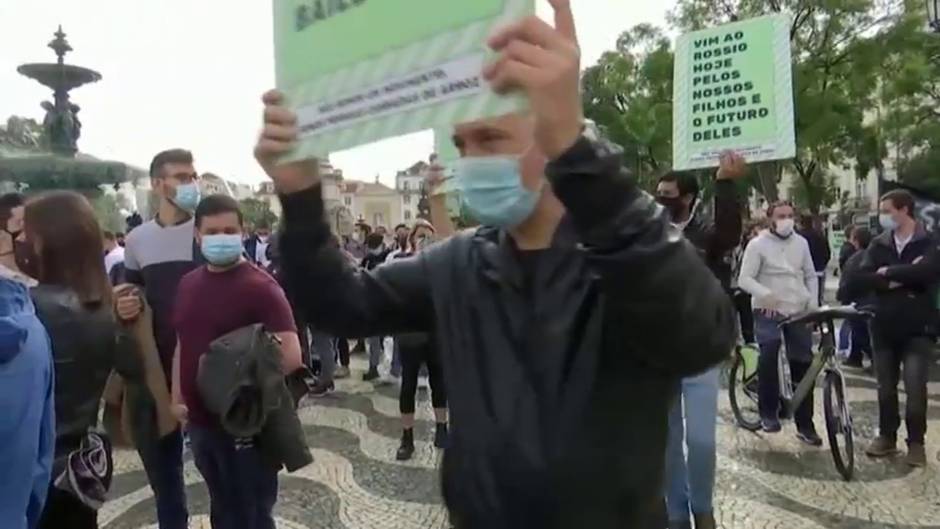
x: 189, y: 73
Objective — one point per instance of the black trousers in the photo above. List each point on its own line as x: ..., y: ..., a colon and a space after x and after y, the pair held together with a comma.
x: 64, y: 511
x: 742, y: 303
x: 342, y: 346
x: 913, y: 354
x: 413, y: 355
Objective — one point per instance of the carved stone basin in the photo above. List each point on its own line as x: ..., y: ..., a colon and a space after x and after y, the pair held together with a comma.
x: 59, y: 76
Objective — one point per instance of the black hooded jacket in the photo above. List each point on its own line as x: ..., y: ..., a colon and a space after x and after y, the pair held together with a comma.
x: 561, y: 364
x: 716, y: 237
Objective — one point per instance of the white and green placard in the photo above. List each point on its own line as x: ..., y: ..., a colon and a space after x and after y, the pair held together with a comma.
x: 733, y: 90
x: 357, y: 71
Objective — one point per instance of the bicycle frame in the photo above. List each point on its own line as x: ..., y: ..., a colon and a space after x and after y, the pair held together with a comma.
x: 825, y: 358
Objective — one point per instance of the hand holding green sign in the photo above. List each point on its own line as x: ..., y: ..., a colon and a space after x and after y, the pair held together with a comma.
x: 356, y: 71
x: 534, y: 58
x: 733, y: 91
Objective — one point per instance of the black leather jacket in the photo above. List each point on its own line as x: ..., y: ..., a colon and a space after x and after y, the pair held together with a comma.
x: 87, y: 344
x: 560, y: 381
x: 715, y: 237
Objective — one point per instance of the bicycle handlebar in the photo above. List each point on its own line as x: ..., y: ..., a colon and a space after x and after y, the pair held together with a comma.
x: 827, y: 313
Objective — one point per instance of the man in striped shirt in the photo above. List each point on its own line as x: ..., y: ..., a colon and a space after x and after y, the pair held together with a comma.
x: 158, y: 254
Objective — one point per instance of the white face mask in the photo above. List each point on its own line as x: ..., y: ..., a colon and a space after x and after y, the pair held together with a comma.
x: 783, y: 227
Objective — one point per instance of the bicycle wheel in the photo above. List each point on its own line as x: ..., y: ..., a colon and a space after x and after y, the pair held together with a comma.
x: 838, y: 424
x: 742, y: 389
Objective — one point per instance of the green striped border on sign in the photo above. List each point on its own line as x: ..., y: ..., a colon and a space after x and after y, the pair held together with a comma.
x: 416, y: 58
x: 781, y: 146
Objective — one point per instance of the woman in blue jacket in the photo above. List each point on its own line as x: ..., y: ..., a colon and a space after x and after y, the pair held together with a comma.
x: 27, y: 424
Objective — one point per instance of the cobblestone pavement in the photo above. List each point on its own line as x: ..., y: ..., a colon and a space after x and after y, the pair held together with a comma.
x: 763, y: 481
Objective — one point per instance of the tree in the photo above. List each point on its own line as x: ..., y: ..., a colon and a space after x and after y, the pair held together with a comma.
x: 628, y: 93
x: 836, y: 60
x: 257, y: 214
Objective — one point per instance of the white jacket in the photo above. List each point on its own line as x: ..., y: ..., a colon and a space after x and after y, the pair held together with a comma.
x: 779, y: 274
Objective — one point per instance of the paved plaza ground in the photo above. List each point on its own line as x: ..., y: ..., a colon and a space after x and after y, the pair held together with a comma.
x: 764, y: 481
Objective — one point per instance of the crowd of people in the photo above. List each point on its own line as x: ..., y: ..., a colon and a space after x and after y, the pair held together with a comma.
x: 574, y: 340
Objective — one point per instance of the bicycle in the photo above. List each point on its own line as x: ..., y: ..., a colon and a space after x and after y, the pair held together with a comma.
x: 743, y: 378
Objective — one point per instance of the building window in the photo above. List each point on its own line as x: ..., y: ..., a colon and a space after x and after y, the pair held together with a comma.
x: 347, y: 201
x: 407, y: 215
x: 404, y: 185
x: 406, y: 199
x: 377, y: 220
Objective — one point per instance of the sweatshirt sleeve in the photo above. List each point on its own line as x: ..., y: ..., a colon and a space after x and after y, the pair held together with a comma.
x: 42, y: 474
x: 750, y: 267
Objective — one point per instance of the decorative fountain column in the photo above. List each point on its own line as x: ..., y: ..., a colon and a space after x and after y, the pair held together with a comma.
x: 61, y: 122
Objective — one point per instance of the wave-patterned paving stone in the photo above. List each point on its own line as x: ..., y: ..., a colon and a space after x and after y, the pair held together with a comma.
x: 378, y: 477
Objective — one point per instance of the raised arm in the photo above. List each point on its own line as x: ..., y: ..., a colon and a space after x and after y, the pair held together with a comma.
x: 338, y: 297
x: 653, y: 278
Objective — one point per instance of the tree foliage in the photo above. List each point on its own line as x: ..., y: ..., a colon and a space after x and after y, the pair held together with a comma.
x: 257, y: 214
x: 628, y: 93
x: 866, y: 81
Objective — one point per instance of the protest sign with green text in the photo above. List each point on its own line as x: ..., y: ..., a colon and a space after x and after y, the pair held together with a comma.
x: 357, y: 71
x: 733, y: 91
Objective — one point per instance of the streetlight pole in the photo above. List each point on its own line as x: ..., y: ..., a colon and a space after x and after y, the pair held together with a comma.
x: 933, y: 14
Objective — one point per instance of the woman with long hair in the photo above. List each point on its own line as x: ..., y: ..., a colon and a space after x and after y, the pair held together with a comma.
x: 73, y: 300
x: 417, y: 349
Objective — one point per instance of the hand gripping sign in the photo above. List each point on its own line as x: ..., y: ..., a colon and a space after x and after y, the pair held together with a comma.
x: 357, y: 71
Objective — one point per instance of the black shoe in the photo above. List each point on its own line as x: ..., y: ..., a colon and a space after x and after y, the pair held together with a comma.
x: 371, y: 375
x: 322, y: 389
x: 809, y: 436
x: 770, y: 425
x: 407, y: 448
x: 441, y: 437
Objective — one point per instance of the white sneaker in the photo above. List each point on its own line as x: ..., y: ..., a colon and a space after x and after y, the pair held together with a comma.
x: 423, y: 383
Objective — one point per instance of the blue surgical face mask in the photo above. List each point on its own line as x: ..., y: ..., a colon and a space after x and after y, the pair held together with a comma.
x: 491, y: 189
x: 222, y: 249
x: 887, y: 222
x: 187, y: 197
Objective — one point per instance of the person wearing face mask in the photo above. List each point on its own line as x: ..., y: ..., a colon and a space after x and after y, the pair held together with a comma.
x: 693, y: 421
x: 227, y: 294
x: 15, y: 255
x: 554, y: 319
x: 415, y: 350
x: 901, y: 269
x: 157, y: 255
x: 777, y: 270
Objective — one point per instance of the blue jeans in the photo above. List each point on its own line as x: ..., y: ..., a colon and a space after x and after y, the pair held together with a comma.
x: 163, y: 463
x: 396, y: 360
x: 242, y: 488
x: 324, y: 347
x: 799, y: 340
x: 690, y: 475
x: 376, y: 347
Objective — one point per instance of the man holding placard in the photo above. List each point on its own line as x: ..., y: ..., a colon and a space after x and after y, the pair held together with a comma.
x: 553, y: 318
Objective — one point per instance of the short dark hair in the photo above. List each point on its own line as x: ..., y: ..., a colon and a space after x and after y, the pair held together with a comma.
x: 374, y: 240
x: 167, y: 157
x: 400, y: 226
x: 778, y: 204
x: 863, y: 236
x: 8, y: 203
x: 849, y: 230
x: 686, y: 182
x: 216, y: 205
x: 900, y: 198
x: 108, y: 236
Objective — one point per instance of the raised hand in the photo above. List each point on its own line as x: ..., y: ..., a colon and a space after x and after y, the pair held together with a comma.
x: 278, y: 136
x: 544, y: 62
x: 732, y: 166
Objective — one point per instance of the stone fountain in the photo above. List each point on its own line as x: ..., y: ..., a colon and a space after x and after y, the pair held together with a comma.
x: 55, y: 162
x: 61, y: 123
